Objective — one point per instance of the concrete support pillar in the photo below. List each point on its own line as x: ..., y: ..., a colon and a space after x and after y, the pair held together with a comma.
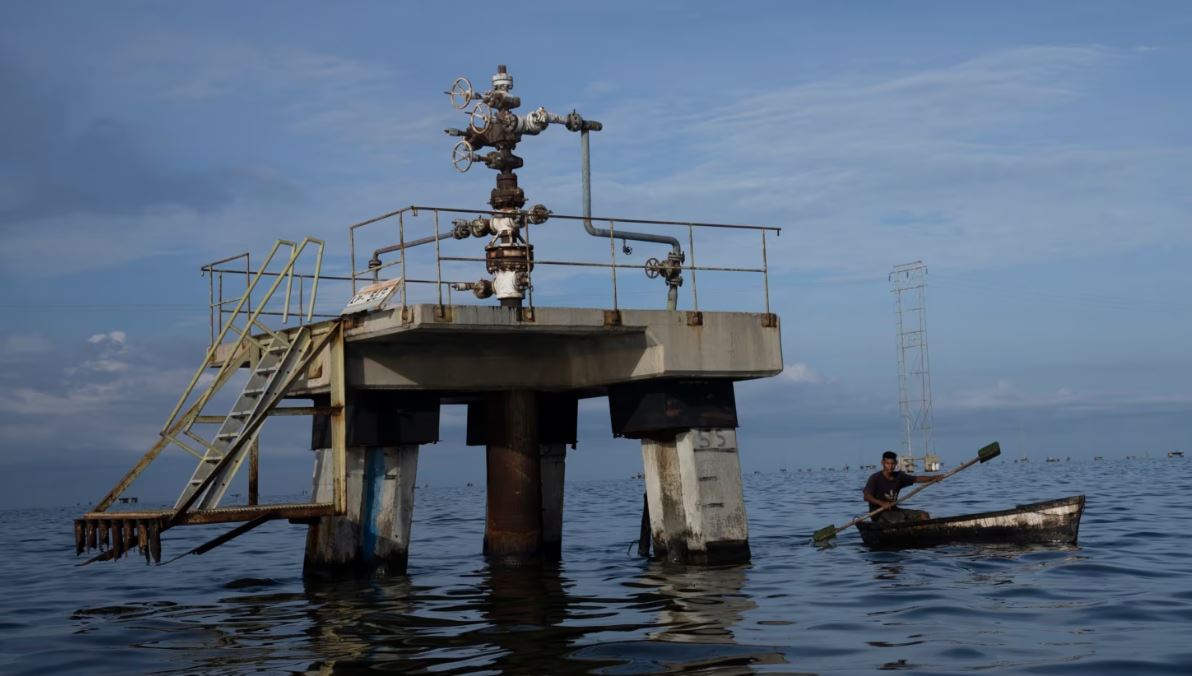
x: 332, y: 542
x: 390, y: 475
x: 554, y: 463
x: 664, y: 496
x: 693, y: 488
x: 513, y: 527
x: 373, y: 538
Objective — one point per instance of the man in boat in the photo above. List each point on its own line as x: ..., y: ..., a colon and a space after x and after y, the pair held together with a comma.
x: 882, y: 490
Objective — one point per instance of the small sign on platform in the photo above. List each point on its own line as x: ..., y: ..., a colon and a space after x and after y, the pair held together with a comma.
x: 372, y: 297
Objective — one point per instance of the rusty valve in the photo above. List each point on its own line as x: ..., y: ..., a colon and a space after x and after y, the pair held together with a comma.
x: 670, y: 270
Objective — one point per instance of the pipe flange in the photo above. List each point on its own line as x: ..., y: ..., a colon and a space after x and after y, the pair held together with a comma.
x: 538, y: 214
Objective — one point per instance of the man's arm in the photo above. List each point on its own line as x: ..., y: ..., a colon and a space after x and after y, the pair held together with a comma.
x: 873, y: 500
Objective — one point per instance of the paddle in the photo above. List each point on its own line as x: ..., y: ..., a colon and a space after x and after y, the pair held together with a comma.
x: 988, y: 453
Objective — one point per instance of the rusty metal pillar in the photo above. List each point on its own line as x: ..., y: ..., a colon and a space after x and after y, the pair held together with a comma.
x: 254, y: 452
x: 513, y: 528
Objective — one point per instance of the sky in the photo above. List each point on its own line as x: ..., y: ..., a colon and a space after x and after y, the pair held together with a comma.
x: 1035, y: 156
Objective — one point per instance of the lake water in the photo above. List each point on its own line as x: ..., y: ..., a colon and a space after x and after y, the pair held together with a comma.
x: 1120, y: 602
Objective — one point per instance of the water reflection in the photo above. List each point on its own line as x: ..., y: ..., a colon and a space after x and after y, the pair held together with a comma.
x: 501, y: 619
x: 530, y: 620
x: 695, y: 611
x: 703, y: 604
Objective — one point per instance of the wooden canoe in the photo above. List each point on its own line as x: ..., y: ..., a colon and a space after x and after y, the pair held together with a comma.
x: 1049, y: 522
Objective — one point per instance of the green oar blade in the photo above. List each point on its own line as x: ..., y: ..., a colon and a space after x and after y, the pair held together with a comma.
x: 989, y: 452
x: 825, y: 533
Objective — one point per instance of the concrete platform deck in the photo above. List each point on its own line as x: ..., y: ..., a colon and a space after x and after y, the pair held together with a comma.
x: 470, y: 348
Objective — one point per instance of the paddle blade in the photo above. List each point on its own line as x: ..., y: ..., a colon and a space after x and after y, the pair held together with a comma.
x: 824, y: 534
x: 989, y: 452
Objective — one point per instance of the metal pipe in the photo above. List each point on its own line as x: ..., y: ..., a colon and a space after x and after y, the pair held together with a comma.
x: 555, y: 216
x: 586, y: 176
x: 413, y: 243
x: 694, y: 286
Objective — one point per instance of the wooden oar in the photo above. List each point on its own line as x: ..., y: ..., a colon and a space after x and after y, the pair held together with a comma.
x: 987, y: 453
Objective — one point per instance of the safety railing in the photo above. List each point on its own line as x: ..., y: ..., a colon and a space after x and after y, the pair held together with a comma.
x: 431, y: 278
x: 252, y: 318
x: 224, y: 291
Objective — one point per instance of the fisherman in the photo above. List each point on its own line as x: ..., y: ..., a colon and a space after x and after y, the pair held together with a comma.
x: 882, y: 491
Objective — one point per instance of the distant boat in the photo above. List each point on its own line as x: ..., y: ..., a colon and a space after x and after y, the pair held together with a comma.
x: 1053, y: 459
x: 1097, y: 457
x: 1049, y: 522
x: 1175, y: 454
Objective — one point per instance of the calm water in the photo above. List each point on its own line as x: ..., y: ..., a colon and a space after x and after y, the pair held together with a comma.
x: 1119, y: 602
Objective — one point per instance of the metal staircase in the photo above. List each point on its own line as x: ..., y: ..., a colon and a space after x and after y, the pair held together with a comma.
x: 277, y: 357
x: 280, y: 361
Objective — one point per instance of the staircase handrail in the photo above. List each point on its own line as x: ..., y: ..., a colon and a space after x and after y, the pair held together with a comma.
x: 287, y: 273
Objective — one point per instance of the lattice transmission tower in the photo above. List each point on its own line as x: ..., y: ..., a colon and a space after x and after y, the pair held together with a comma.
x: 914, y: 366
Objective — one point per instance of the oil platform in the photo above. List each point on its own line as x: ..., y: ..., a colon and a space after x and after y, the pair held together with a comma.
x: 374, y: 376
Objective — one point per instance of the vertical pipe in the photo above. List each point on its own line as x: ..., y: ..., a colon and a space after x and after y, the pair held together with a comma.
x: 438, y: 262
x: 254, y: 451
x: 338, y: 396
x: 513, y: 525
x: 117, y: 539
x: 691, y: 247
x: 143, y: 539
x: 585, y: 174
x: 247, y: 281
x: 352, y: 253
x: 401, y: 238
x: 155, y: 540
x: 766, y: 272
x: 314, y: 283
x: 529, y: 271
x: 103, y: 534
x: 126, y: 536
x: 92, y: 534
x: 80, y: 541
x: 211, y: 301
x: 612, y: 248
x: 221, y: 310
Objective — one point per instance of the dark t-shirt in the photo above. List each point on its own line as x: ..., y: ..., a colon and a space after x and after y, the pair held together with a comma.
x: 886, y: 489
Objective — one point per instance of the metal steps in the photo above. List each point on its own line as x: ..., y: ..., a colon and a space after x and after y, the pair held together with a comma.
x: 280, y: 360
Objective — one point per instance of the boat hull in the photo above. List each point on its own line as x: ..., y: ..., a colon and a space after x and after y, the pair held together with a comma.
x: 1049, y: 522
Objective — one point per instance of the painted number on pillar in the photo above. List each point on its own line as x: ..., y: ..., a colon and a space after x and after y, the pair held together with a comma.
x: 711, y: 439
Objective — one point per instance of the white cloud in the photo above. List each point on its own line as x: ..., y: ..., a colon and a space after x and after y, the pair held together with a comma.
x: 960, y: 165
x: 116, y: 337
x: 799, y: 372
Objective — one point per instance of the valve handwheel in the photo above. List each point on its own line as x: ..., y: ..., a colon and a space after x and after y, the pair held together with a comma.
x: 461, y: 93
x: 480, y: 117
x: 653, y: 268
x: 462, y: 156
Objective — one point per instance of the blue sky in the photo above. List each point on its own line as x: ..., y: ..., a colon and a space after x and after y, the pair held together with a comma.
x: 1035, y: 156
